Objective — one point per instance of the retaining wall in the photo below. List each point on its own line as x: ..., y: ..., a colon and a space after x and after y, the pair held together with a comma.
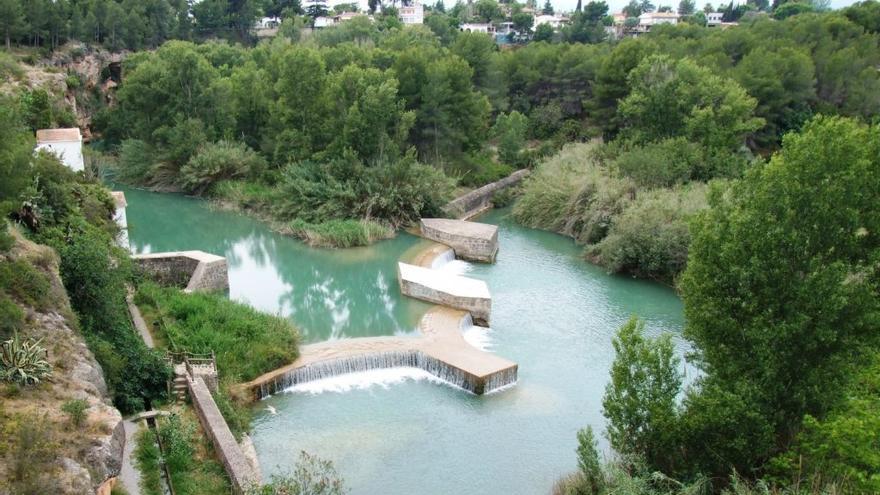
x: 241, y: 474
x: 470, y: 240
x: 189, y: 270
x: 480, y: 199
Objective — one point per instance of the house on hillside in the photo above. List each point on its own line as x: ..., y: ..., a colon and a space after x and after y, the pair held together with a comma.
x: 411, y: 14
x: 477, y: 27
x: 66, y: 144
x: 554, y: 21
x: 651, y: 19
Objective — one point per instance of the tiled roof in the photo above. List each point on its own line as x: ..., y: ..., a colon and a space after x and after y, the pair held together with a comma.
x: 58, y: 135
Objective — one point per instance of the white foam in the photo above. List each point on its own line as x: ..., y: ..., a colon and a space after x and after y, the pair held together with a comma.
x: 446, y: 263
x: 479, y: 337
x: 363, y: 380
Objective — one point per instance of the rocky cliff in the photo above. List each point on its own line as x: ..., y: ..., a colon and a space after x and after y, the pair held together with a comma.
x: 41, y: 450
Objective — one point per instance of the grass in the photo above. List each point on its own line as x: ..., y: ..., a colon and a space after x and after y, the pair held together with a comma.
x: 247, y: 343
x: 189, y: 456
x: 9, y: 68
x: 341, y: 233
x: 148, y: 460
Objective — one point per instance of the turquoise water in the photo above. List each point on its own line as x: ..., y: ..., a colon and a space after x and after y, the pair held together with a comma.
x: 397, y: 432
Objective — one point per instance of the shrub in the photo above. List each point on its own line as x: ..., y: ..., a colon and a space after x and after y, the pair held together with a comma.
x: 32, y: 451
x: 312, y: 476
x: 9, y: 68
x: 341, y: 233
x: 76, y: 411
x: 192, y: 467
x: 480, y: 169
x: 663, y: 164
x: 11, y: 316
x: 545, y: 120
x: 219, y: 161
x: 136, y: 160
x: 570, y: 194
x: 398, y: 192
x: 650, y: 237
x: 24, y: 361
x: 510, y: 131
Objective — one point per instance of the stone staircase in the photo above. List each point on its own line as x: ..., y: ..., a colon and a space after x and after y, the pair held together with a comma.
x: 179, y: 385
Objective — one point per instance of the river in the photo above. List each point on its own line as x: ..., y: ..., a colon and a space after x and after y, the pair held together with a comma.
x: 399, y: 431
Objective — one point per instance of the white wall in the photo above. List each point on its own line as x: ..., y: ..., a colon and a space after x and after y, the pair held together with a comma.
x: 70, y: 153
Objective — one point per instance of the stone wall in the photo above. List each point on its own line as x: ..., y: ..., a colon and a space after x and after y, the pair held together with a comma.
x: 188, y: 270
x: 463, y: 293
x: 470, y: 240
x: 241, y: 474
x: 477, y: 200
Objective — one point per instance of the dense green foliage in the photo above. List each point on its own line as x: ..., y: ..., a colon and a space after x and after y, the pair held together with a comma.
x: 245, y: 341
x: 187, y: 455
x: 73, y: 215
x: 640, y: 400
x: 782, y: 269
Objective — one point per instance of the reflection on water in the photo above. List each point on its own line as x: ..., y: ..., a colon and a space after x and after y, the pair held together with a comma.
x: 329, y: 294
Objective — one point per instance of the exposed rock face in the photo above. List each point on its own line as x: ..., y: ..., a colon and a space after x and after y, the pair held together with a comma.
x: 81, y: 458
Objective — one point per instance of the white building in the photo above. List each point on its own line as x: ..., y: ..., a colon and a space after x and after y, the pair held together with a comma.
x: 651, y: 19
x: 66, y: 144
x: 267, y: 23
x: 714, y: 19
x: 322, y: 22
x: 119, y: 218
x: 412, y: 14
x: 554, y: 21
x: 477, y: 27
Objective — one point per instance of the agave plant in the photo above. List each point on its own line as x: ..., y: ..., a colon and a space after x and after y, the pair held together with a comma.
x: 24, y: 361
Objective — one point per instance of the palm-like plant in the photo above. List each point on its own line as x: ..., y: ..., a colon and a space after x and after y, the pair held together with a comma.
x: 24, y: 361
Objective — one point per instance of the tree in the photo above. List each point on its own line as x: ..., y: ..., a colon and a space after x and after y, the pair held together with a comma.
x: 510, y: 130
x: 312, y: 476
x: 679, y: 98
x: 12, y: 20
x: 783, y: 82
x: 578, y: 6
x: 543, y: 32
x: 632, y: 9
x: 548, y: 8
x: 789, y: 9
x: 646, y: 6
x: 595, y: 11
x: 588, y: 461
x: 782, y: 269
x: 487, y: 10
x: 686, y: 7
x: 477, y: 50
x: 522, y: 24
x: 639, y: 402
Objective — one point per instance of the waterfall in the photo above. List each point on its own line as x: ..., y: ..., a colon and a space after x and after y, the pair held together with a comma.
x: 390, y: 359
x: 442, y: 259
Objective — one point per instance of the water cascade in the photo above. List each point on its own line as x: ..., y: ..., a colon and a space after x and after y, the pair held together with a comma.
x: 385, y: 360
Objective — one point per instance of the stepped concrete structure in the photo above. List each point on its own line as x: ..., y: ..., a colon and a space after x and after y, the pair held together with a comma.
x: 441, y: 350
x: 470, y: 240
x: 189, y: 270
x: 446, y: 289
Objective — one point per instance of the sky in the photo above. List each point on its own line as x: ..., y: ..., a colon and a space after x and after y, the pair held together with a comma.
x: 617, y: 5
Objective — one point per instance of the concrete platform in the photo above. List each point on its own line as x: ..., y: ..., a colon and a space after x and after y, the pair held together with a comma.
x: 441, y: 350
x: 189, y: 270
x: 446, y: 289
x: 471, y: 240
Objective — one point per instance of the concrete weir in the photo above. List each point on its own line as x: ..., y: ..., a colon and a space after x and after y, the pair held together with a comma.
x: 446, y: 289
x: 189, y: 270
x: 441, y: 351
x: 470, y: 240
